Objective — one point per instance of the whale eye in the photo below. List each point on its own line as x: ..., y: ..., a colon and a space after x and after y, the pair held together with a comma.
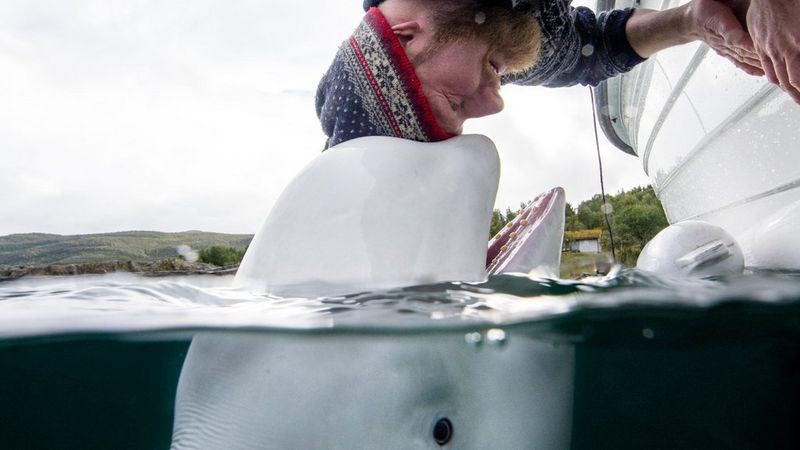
x: 443, y: 431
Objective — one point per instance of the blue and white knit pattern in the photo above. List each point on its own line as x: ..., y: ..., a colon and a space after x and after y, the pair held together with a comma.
x: 578, y: 47
x: 381, y: 87
x: 371, y: 89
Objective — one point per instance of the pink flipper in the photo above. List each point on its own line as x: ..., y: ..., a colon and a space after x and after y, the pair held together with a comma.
x: 532, y: 241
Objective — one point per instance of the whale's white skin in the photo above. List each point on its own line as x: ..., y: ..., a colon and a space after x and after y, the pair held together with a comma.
x: 378, y: 212
x: 375, y: 213
x: 306, y: 391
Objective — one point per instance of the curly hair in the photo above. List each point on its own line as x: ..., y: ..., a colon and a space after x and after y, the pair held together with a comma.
x: 514, y: 31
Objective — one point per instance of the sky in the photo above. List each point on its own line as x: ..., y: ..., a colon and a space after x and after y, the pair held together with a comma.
x: 175, y: 115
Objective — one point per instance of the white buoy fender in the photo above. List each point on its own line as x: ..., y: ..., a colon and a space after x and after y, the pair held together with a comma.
x: 692, y: 248
x: 376, y: 213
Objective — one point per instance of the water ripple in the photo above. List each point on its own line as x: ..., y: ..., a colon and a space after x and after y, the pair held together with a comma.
x: 115, y: 303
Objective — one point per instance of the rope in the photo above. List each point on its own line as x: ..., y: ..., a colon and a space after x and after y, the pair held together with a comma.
x: 605, y: 209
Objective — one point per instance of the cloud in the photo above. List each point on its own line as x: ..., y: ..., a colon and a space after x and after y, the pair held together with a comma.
x: 142, y: 114
x: 545, y: 138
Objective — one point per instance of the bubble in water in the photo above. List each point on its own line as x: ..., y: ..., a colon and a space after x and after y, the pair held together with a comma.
x: 473, y: 339
x: 496, y: 337
x: 648, y: 333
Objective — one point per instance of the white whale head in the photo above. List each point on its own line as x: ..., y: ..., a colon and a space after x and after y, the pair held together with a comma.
x: 362, y: 391
x: 369, y: 214
x: 378, y: 212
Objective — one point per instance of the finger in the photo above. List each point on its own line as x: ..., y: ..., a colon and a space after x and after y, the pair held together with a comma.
x: 793, y: 68
x: 746, y: 66
x: 744, y: 63
x: 782, y: 74
x: 742, y: 43
x: 749, y: 69
x: 745, y: 53
x: 769, y: 70
x: 783, y: 78
x: 755, y: 62
x: 794, y: 94
x: 742, y: 53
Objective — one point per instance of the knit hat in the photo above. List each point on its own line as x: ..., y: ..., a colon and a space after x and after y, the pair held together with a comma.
x: 371, y: 89
x: 520, y: 4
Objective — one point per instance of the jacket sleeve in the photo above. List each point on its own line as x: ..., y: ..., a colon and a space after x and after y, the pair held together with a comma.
x: 578, y: 46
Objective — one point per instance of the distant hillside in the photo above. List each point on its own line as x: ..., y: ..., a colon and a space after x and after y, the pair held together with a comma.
x: 39, y: 248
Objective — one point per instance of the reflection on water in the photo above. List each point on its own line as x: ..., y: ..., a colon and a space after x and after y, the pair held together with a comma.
x: 93, y: 362
x: 127, y: 303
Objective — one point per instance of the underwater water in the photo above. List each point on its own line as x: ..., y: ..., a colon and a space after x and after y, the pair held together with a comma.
x: 94, y: 362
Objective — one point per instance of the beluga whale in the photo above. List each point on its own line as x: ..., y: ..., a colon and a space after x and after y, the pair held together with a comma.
x: 372, y: 214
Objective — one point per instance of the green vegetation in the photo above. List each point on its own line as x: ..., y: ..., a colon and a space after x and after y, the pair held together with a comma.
x: 171, y: 264
x: 221, y: 256
x: 577, y: 265
x: 636, y: 216
x: 500, y: 219
x: 145, y: 246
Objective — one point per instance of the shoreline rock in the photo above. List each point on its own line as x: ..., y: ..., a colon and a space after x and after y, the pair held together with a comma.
x: 163, y: 268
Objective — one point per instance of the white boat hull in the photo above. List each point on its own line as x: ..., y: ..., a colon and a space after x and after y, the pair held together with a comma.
x: 718, y: 145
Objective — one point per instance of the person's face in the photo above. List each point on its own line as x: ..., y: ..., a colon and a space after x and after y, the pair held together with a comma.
x: 459, y: 58
x: 461, y: 81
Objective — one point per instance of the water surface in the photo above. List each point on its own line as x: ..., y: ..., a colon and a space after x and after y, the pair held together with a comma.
x: 93, y: 361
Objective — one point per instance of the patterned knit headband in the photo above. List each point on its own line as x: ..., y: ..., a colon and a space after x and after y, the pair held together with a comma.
x: 371, y: 89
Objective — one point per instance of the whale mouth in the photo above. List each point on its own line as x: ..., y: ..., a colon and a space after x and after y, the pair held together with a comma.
x: 443, y: 431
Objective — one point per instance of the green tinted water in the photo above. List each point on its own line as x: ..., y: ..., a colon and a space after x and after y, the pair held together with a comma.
x: 657, y: 363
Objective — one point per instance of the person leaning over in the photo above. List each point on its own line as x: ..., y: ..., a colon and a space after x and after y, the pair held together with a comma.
x: 417, y: 69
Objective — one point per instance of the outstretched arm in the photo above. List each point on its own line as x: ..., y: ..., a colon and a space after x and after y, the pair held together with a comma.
x: 583, y: 48
x: 710, y: 21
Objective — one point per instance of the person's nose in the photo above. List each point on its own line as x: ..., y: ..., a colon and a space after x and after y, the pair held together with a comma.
x: 485, y: 102
x: 498, y: 62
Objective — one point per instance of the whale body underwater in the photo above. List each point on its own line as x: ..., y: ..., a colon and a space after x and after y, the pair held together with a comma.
x: 377, y: 213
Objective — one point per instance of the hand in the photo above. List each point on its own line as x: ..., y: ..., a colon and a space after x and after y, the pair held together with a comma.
x: 715, y: 23
x: 774, y: 28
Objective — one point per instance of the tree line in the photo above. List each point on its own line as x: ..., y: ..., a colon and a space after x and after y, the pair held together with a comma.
x: 635, y: 217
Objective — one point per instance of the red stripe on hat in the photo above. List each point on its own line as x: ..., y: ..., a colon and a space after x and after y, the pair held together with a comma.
x: 407, y: 74
x: 376, y: 88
